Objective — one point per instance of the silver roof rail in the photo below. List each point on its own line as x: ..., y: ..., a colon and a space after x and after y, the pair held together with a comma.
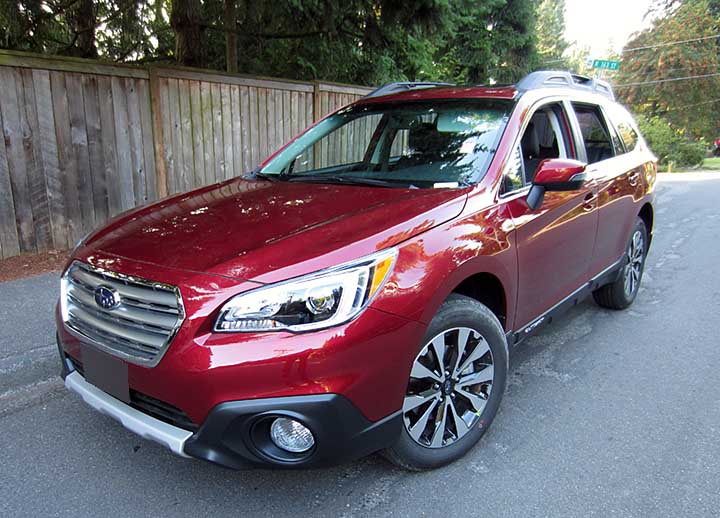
x: 393, y: 88
x: 550, y: 78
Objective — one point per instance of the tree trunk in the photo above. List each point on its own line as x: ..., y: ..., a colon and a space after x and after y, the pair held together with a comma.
x: 231, y: 39
x: 185, y: 20
x: 82, y: 22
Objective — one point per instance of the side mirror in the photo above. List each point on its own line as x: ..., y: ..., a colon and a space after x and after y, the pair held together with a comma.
x: 555, y: 174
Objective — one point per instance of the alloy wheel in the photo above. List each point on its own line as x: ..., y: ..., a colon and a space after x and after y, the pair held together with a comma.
x: 633, y: 268
x: 450, y: 383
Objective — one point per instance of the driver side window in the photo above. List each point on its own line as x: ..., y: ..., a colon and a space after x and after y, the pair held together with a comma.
x: 546, y: 136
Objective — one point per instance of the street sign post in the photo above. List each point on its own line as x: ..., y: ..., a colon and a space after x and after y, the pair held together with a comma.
x: 604, y: 64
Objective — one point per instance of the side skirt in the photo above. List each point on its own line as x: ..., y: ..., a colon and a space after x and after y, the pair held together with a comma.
x: 607, y: 276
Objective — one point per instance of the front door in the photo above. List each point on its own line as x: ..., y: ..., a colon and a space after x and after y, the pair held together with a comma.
x: 554, y: 242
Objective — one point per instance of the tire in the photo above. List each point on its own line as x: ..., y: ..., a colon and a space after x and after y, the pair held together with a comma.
x: 621, y: 293
x: 471, y: 392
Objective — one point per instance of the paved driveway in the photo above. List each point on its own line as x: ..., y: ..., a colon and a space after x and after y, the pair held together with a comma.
x: 606, y: 412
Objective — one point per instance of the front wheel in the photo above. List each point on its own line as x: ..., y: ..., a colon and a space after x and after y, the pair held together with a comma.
x: 456, y: 383
x: 621, y: 293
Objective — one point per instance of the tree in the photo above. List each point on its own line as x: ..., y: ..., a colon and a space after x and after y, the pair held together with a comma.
x: 355, y: 41
x: 186, y: 22
x: 651, y: 77
x: 550, y: 28
x: 491, y: 41
x: 231, y: 40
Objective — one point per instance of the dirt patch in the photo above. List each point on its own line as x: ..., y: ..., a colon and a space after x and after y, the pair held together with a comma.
x: 32, y: 264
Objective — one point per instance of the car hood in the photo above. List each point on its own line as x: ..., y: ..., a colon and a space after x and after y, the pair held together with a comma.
x: 266, y: 231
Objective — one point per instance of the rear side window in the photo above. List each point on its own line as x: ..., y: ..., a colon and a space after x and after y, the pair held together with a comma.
x: 625, y: 125
x: 596, y: 135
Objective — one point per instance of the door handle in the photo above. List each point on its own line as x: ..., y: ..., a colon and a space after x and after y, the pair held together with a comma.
x: 633, y: 178
x: 590, y: 201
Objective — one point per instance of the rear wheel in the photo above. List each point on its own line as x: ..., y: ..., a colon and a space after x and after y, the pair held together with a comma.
x: 456, y: 383
x: 621, y: 293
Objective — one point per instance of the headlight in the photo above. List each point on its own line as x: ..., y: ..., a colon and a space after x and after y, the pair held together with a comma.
x: 319, y: 300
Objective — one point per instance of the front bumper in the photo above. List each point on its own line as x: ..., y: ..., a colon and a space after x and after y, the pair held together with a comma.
x: 170, y: 436
x: 236, y: 434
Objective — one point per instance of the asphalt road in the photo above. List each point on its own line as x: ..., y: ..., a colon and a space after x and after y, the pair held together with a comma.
x: 606, y: 412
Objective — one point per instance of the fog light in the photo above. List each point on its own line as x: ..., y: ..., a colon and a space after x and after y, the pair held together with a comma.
x: 291, y: 435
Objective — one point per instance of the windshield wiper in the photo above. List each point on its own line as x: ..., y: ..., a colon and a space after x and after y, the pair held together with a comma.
x: 255, y: 175
x: 349, y: 180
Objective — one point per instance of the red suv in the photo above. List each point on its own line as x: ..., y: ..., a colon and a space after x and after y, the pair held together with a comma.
x: 360, y: 290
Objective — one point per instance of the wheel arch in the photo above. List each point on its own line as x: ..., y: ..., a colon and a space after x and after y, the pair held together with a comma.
x: 487, y: 289
x: 647, y: 215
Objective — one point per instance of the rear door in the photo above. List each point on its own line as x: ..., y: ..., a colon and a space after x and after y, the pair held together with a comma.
x: 554, y: 242
x: 616, y: 170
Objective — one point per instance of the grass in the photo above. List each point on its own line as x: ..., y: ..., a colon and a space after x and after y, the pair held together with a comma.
x: 712, y: 163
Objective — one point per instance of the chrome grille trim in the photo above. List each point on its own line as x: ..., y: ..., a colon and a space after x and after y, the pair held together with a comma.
x: 139, y: 329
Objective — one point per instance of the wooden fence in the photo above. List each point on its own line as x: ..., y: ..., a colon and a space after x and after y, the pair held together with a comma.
x: 84, y: 141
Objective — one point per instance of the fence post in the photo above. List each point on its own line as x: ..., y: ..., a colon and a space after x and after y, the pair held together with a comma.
x: 317, y: 113
x: 157, y: 131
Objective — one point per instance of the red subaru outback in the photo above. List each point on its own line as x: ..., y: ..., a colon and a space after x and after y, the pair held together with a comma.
x: 360, y: 290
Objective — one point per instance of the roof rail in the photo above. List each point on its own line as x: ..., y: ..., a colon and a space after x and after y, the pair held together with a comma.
x: 393, y: 88
x: 550, y: 78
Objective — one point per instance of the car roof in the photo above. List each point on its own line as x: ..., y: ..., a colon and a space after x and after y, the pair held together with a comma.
x: 541, y: 82
x: 445, y: 92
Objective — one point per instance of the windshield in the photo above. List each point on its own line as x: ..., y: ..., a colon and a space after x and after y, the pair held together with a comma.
x: 420, y: 144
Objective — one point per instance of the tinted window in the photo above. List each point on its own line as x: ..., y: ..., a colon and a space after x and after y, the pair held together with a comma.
x: 598, y: 142
x: 625, y: 125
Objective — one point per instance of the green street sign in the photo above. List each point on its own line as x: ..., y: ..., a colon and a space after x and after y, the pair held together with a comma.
x: 604, y: 64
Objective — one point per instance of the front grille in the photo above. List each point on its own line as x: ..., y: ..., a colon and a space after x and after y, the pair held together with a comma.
x: 161, y: 410
x: 149, y: 405
x: 139, y: 327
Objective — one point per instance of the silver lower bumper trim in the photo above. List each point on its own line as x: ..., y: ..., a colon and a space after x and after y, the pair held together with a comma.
x: 145, y: 426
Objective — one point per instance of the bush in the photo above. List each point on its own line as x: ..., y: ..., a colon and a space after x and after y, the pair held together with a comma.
x: 669, y: 144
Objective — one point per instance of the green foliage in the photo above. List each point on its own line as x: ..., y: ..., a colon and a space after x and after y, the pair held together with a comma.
x: 490, y: 41
x: 355, y: 41
x: 670, y: 144
x: 687, y: 103
x: 550, y: 29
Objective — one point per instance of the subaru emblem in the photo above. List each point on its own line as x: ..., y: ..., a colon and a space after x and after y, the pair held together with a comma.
x: 106, y: 297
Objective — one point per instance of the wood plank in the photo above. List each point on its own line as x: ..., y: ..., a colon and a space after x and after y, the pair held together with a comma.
x: 124, y: 179
x: 9, y: 245
x: 146, y: 121
x: 187, y: 175
x: 235, y: 79
x: 288, y: 122
x: 245, y: 129
x: 68, y: 201
x: 78, y: 135
x: 35, y: 166
x: 309, y: 110
x: 158, y: 133
x: 68, y: 64
x: 207, y: 125
x: 229, y: 161
x: 109, y: 145
x: 167, y: 135
x: 197, y: 134
x: 48, y: 149
x: 16, y: 140
x: 175, y: 173
x: 217, y: 140
x: 236, y: 131
x: 340, y: 88
x: 95, y: 147
x: 253, y: 125
x: 136, y: 144
x: 272, y: 120
x: 294, y: 114
x: 262, y: 127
